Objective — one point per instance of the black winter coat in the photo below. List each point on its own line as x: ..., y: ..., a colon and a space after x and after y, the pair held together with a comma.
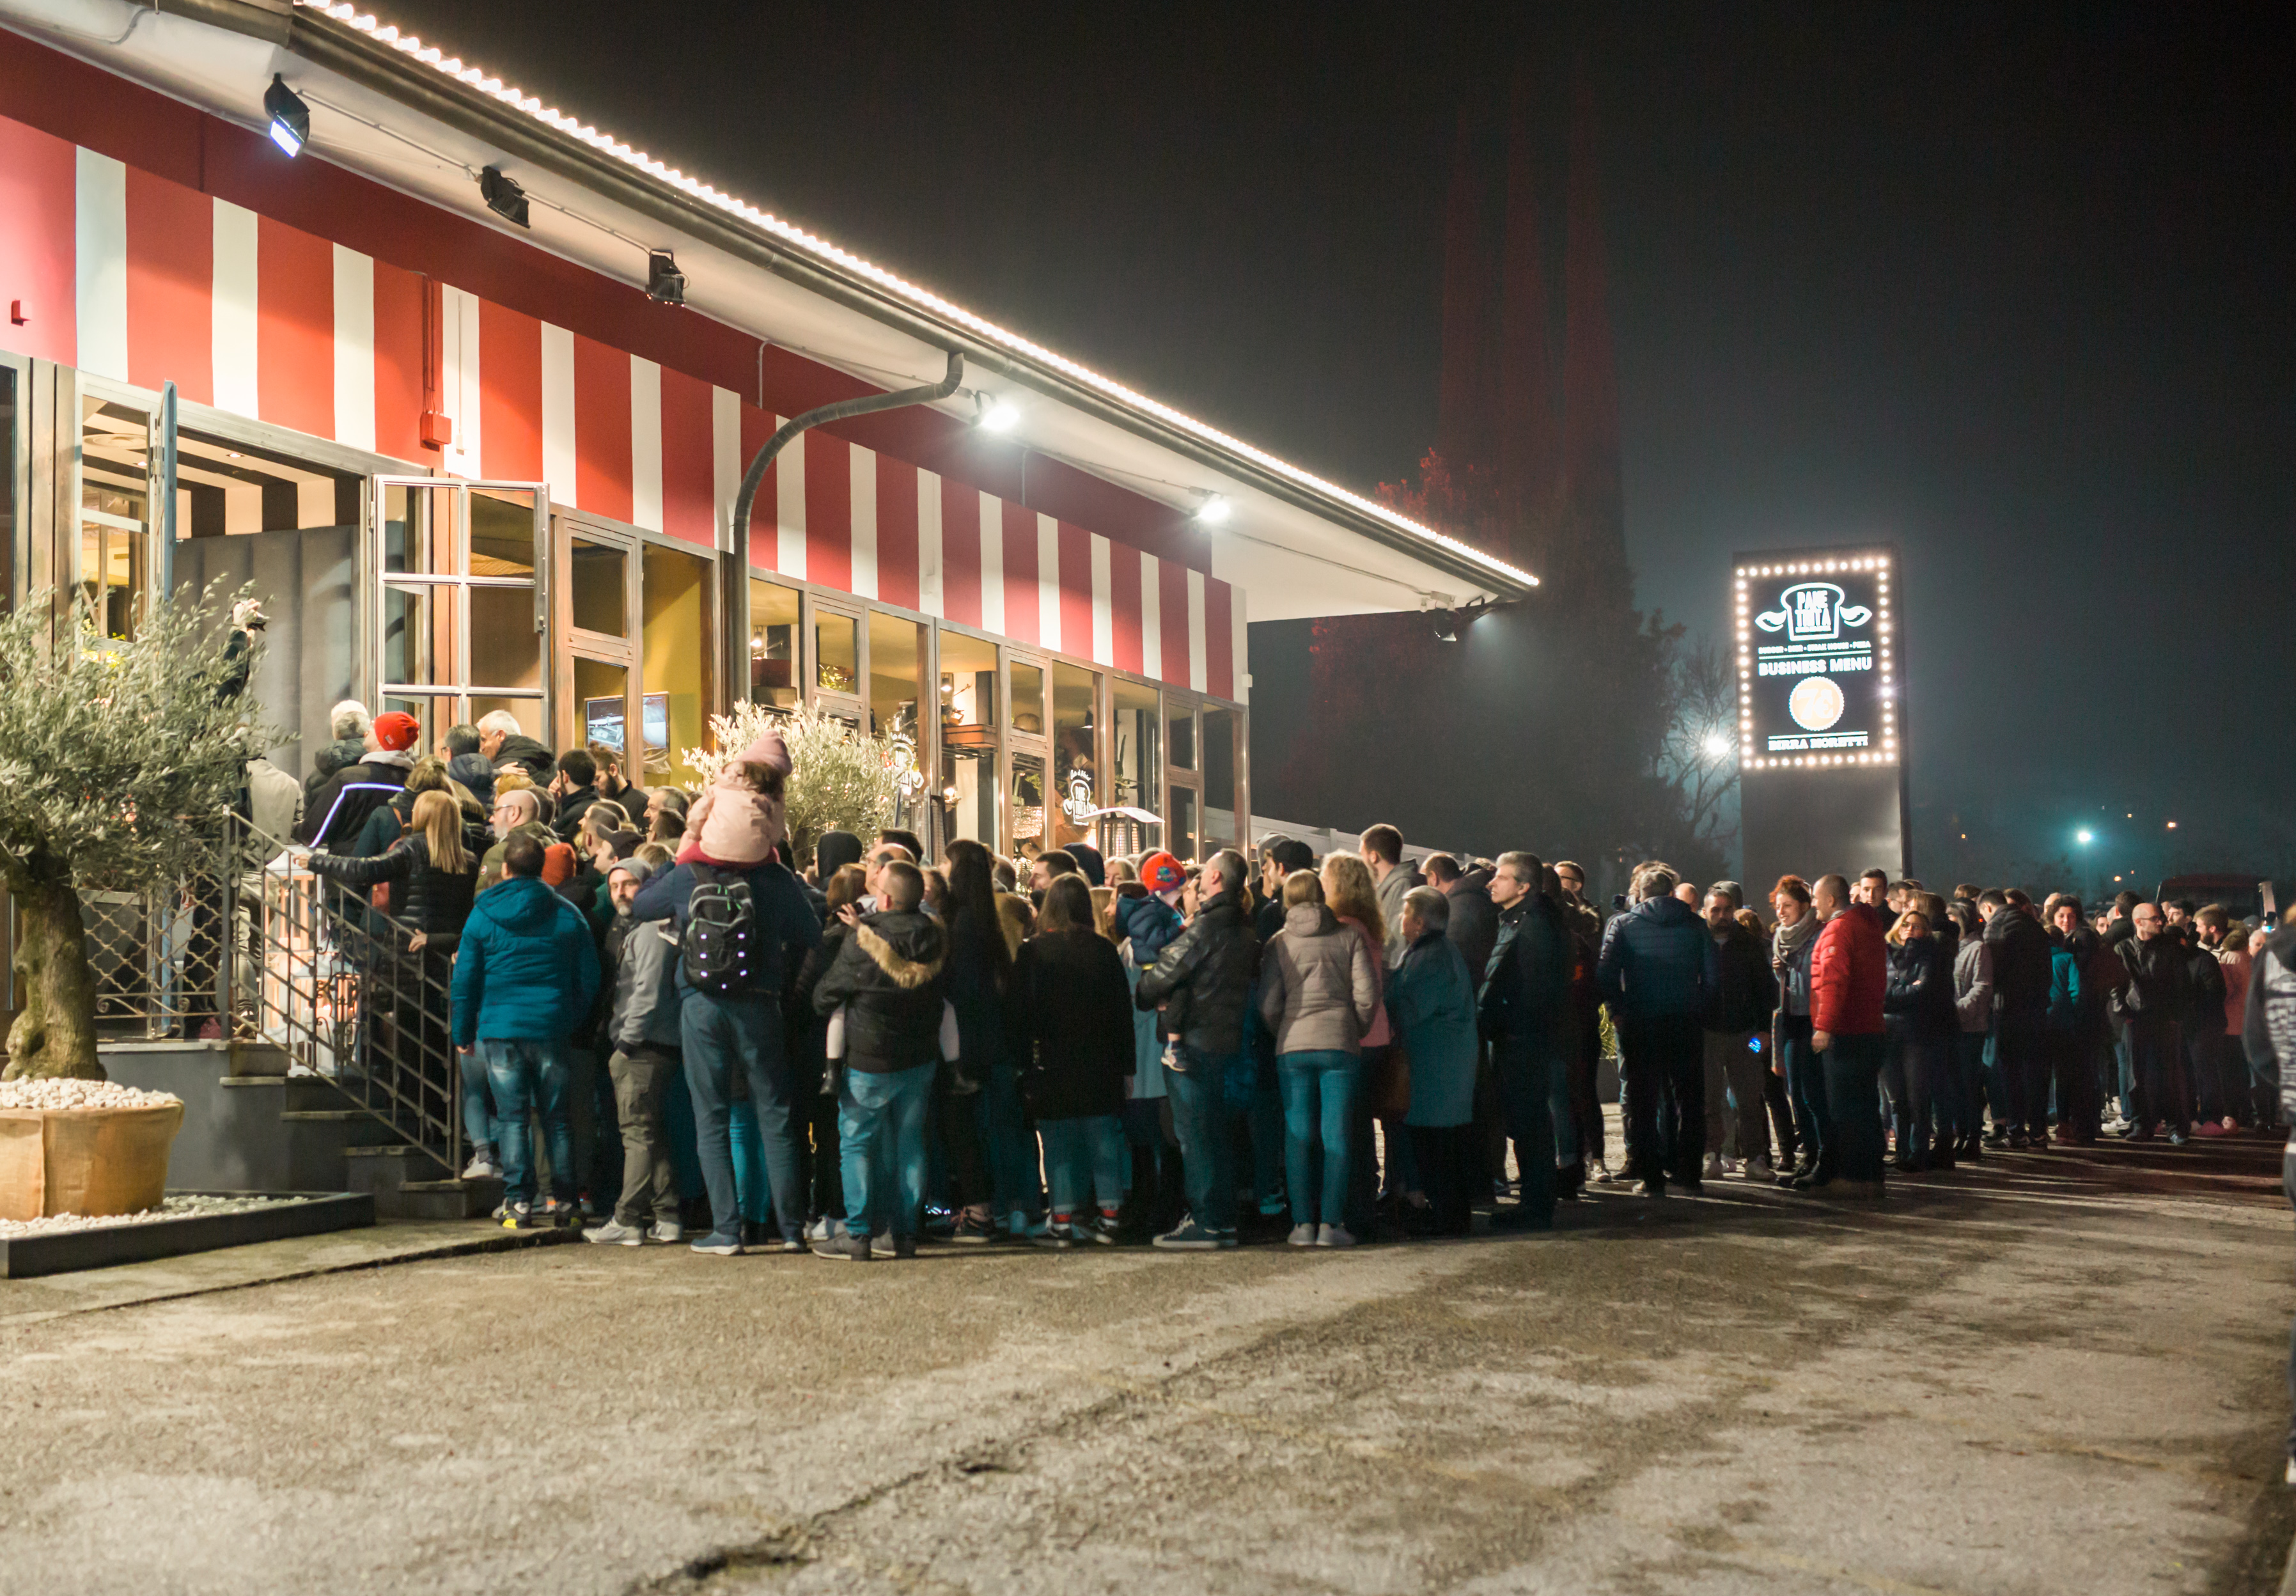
x: 978, y: 992
x: 2022, y: 954
x: 2159, y: 989
x: 2205, y: 976
x: 1069, y: 1013
x: 890, y: 976
x: 335, y: 813
x: 1747, y: 994
x: 432, y: 901
x: 1202, y: 979
x: 1918, y: 1002
x: 1475, y: 925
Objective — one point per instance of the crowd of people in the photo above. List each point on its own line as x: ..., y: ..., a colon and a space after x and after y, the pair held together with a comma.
x: 879, y: 1049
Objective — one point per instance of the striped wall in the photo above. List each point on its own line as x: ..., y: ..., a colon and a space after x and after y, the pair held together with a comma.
x: 250, y: 315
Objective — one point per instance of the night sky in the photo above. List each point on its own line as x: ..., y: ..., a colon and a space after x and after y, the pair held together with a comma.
x: 2015, y: 291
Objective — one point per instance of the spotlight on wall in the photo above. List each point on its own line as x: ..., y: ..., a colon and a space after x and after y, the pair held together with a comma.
x: 665, y: 283
x: 503, y: 196
x: 1446, y: 626
x: 291, y: 119
x: 1215, y: 511
x: 994, y: 416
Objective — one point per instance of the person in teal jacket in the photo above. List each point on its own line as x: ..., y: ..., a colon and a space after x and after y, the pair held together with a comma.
x: 526, y: 974
x: 1430, y: 999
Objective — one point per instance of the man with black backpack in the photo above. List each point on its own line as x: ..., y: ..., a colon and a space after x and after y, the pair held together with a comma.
x: 736, y: 928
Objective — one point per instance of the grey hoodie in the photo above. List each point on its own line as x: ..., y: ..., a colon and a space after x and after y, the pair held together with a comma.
x: 1318, y: 986
x: 645, y: 990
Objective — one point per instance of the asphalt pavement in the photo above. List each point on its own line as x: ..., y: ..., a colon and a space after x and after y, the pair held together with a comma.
x: 2052, y: 1374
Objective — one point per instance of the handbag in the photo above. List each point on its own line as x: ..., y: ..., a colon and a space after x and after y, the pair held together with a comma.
x: 1389, y: 1090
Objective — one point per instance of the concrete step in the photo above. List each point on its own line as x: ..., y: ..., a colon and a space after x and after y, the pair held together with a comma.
x: 449, y: 1200
x: 388, y: 1171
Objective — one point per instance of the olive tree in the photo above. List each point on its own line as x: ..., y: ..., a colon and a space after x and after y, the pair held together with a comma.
x: 118, y: 760
x: 840, y: 778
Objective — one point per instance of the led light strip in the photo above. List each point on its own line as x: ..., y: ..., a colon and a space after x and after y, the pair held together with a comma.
x: 488, y: 84
x: 1880, y: 564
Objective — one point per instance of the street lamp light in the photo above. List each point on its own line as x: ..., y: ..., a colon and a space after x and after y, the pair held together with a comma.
x: 1716, y: 746
x: 2084, y: 837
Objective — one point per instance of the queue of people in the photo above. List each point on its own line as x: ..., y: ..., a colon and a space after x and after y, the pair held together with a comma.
x: 884, y: 1051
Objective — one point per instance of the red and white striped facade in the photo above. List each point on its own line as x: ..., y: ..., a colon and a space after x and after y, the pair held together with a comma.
x: 129, y: 274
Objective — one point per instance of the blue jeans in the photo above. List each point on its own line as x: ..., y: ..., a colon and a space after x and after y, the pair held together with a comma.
x: 478, y: 1116
x: 1528, y: 1071
x: 722, y: 1035
x: 1853, y: 1098
x: 1199, y: 1119
x: 1806, y: 1091
x: 1084, y: 1160
x: 881, y: 1125
x: 530, y: 1077
x: 1319, y: 1097
x: 752, y: 1186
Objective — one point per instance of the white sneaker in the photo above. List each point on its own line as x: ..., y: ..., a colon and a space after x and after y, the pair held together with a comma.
x: 2115, y: 1126
x: 667, y: 1230
x: 615, y: 1233
x: 1713, y: 1166
x: 1731, y: 1165
x: 1761, y: 1169
x: 1302, y: 1235
x: 1332, y: 1235
x: 818, y: 1230
x: 482, y: 1169
x: 1604, y: 1175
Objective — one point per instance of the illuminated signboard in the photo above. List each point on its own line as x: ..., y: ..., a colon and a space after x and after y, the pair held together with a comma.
x: 1818, y: 680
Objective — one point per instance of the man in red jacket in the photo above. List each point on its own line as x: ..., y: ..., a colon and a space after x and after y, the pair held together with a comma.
x: 1849, y: 972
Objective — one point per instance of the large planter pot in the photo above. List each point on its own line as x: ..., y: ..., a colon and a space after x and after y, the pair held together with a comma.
x: 87, y: 1161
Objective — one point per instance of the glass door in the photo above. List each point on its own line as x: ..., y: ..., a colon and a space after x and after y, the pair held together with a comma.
x: 1183, y: 777
x: 597, y: 569
x: 836, y: 633
x: 970, y: 723
x: 459, y: 626
x: 1027, y: 763
x: 1137, y: 755
x: 114, y: 544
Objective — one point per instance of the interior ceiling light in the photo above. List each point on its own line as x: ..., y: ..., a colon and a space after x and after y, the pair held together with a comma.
x: 291, y: 119
x: 503, y: 196
x: 483, y: 82
x: 665, y: 283
x: 1215, y: 511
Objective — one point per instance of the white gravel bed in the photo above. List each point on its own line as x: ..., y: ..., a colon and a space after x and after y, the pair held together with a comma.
x: 78, y: 1094
x: 173, y: 1207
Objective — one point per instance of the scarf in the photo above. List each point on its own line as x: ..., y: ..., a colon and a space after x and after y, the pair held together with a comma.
x: 1786, y: 941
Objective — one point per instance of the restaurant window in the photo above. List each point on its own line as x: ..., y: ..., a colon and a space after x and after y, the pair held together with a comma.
x: 1220, y: 828
x: 598, y: 587
x: 836, y: 651
x: 967, y: 736
x: 676, y: 689
x: 1027, y: 804
x: 896, y: 666
x: 774, y: 621
x: 1028, y: 698
x: 1137, y: 748
x: 1180, y: 725
x: 1182, y: 823
x: 114, y: 498
x: 1076, y: 755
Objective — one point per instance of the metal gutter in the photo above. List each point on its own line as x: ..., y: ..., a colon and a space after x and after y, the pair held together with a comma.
x: 339, y: 48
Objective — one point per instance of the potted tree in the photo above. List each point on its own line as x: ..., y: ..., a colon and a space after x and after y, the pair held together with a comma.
x: 840, y: 778
x: 118, y: 759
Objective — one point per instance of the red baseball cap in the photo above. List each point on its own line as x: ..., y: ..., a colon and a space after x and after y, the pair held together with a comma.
x: 1161, y: 873
x: 395, y: 731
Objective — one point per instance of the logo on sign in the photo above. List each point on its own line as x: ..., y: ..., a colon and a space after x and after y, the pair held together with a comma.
x: 1816, y: 703
x: 1078, y: 806
x: 1812, y: 612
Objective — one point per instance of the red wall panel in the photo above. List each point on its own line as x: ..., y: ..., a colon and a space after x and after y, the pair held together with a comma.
x: 1124, y: 603
x: 960, y: 551
x: 1076, y: 591
x: 37, y: 202
x: 897, y: 531
x: 295, y: 328
x: 170, y: 286
x: 765, y: 538
x: 689, y: 483
x: 1172, y: 601
x: 601, y: 429
x: 828, y: 508
x: 1219, y: 640
x: 1023, y: 614
x: 510, y: 393
x: 401, y: 328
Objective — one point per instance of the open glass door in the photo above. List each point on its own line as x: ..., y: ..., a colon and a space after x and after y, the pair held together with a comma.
x: 114, y: 573
x: 460, y: 622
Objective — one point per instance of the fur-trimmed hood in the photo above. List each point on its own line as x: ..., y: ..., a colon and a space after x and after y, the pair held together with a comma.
x: 909, y: 948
